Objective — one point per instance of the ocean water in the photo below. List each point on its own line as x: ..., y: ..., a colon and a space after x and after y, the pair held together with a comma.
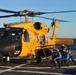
x: 71, y: 47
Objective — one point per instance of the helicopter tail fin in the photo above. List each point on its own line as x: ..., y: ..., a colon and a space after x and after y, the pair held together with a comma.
x: 64, y: 41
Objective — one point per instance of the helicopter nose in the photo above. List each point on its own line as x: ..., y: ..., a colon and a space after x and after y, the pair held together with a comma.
x: 10, y: 48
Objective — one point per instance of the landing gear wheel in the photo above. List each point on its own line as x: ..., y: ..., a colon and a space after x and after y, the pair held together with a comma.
x: 38, y: 58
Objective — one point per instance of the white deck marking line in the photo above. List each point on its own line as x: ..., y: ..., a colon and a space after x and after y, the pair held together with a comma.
x: 5, y: 66
x: 1, y: 69
x: 37, y: 72
x: 12, y: 68
x: 69, y: 66
x: 18, y: 66
x: 46, y: 67
x: 74, y: 59
x: 35, y: 67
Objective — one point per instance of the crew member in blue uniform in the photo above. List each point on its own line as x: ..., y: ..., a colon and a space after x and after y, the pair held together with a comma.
x: 64, y: 49
x: 71, y: 56
x: 56, y: 57
x: 66, y: 56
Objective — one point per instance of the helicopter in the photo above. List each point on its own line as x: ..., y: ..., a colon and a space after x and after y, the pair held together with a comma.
x: 29, y: 39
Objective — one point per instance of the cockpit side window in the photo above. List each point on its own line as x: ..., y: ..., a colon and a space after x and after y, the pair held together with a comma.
x: 42, y: 39
x: 26, y: 36
x: 12, y: 34
x: 5, y: 35
x: 16, y: 35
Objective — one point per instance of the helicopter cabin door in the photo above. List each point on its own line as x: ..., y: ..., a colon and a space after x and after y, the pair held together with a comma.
x: 27, y: 43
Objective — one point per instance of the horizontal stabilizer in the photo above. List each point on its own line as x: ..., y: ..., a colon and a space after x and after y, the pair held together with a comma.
x: 64, y: 41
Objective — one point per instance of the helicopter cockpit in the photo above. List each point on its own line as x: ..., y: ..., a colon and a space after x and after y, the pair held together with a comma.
x: 11, y: 34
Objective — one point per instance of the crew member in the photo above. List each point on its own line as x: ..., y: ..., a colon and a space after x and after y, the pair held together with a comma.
x: 71, y: 56
x: 64, y: 49
x: 56, y: 57
x: 66, y: 56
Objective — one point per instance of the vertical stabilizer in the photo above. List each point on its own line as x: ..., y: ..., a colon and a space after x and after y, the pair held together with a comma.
x: 56, y: 25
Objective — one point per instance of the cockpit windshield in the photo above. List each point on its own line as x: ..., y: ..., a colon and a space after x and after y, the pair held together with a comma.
x: 12, y: 34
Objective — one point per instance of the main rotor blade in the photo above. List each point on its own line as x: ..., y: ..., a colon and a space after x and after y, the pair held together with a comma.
x: 52, y: 19
x: 5, y: 16
x: 10, y: 11
x: 69, y: 11
x: 7, y: 11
